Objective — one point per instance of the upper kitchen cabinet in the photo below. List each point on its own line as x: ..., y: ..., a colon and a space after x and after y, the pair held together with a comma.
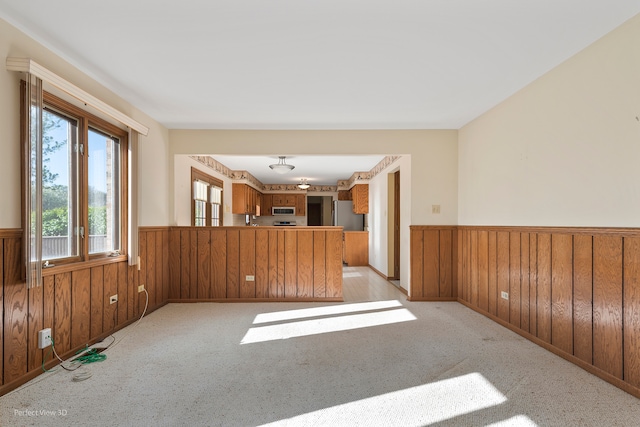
x: 360, y: 197
x: 266, y: 205
x: 344, y: 195
x: 285, y: 200
x: 301, y: 205
x: 245, y: 200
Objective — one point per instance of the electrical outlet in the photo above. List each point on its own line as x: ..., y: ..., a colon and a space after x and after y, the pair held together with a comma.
x: 44, y: 338
x: 504, y: 295
x: 250, y: 278
x: 141, y: 288
x: 113, y: 299
x: 435, y: 209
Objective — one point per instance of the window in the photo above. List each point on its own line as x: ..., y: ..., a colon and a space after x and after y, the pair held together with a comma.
x: 206, y: 196
x: 83, y: 190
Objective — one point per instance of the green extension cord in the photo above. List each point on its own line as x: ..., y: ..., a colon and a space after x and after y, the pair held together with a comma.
x: 91, y: 356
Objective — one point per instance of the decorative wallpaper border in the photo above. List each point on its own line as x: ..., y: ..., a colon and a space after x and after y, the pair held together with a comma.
x: 357, y: 177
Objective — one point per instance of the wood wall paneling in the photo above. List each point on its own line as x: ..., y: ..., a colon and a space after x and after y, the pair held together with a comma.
x: 305, y: 264
x: 204, y: 263
x: 431, y: 263
x: 562, y: 292
x: 233, y: 264
x: 15, y: 329
x: 525, y: 282
x: 607, y: 304
x: 97, y: 301
x: 62, y: 313
x: 492, y: 281
x: 583, y: 297
x: 334, y: 265
x: 123, y: 292
x: 544, y: 287
x: 515, y: 283
x: 445, y: 268
x: 473, y: 265
x: 417, y: 255
x: 281, y: 264
x: 35, y: 310
x: 81, y: 307
x: 632, y: 310
x: 150, y: 267
x: 110, y: 314
x: 533, y: 284
x: 219, y: 263
x: 174, y: 263
x: 502, y: 259
x: 274, y: 252
x: 262, y: 263
x: 319, y: 264
x: 483, y: 270
x: 291, y: 261
x: 193, y: 263
x: 247, y: 263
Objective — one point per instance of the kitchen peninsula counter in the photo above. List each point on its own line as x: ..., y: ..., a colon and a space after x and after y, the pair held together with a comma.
x: 255, y: 263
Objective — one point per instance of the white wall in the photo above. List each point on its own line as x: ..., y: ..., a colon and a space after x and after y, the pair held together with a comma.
x: 153, y: 176
x: 379, y: 215
x: 565, y: 150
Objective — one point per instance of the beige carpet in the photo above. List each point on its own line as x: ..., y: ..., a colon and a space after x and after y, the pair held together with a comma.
x: 384, y: 363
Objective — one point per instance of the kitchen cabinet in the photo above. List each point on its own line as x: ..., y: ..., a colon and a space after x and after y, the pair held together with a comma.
x: 360, y: 197
x: 266, y: 205
x: 344, y: 195
x: 245, y: 199
x: 284, y: 200
x: 356, y: 248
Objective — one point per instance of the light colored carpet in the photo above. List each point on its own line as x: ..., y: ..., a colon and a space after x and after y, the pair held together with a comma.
x: 388, y: 363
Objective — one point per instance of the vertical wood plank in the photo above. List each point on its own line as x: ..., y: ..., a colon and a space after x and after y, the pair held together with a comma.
x: 446, y: 263
x: 632, y: 310
x: 174, y: 263
x: 319, y: 264
x: 132, y: 291
x: 562, y: 291
x: 80, y: 307
x: 219, y: 263
x: 544, y: 287
x: 455, y: 263
x: 233, y: 264
x: 515, y: 292
x: 204, y: 263
x: 533, y: 284
x: 492, y: 281
x: 503, y: 273
x: 62, y: 313
x: 262, y: 263
x: 123, y: 292
x: 185, y: 256
x: 97, y: 300
x: 483, y: 270
x: 305, y: 264
x: 166, y: 274
x: 460, y: 262
x: 281, y: 264
x: 2, y: 332
x: 16, y: 302
x: 431, y: 263
x: 159, y: 268
x: 291, y: 264
x: 524, y: 274
x: 49, y: 300
x: 417, y: 255
x: 193, y: 264
x: 36, y: 314
x: 143, y: 274
x: 110, y: 312
x: 150, y: 257
x: 583, y: 297
x: 473, y: 263
x: 607, y: 304
x: 247, y: 262
x: 334, y: 264
x: 273, y: 264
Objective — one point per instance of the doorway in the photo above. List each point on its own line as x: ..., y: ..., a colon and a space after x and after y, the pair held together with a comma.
x: 319, y: 210
x: 393, y: 225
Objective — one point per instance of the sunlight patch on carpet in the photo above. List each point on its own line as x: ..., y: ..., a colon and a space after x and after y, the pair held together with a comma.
x: 415, y: 406
x: 325, y: 325
x: 280, y: 316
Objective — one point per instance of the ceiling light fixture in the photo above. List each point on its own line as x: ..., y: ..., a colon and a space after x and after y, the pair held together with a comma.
x: 303, y: 184
x: 281, y: 167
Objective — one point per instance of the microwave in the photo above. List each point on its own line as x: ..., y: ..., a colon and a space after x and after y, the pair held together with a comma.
x: 283, y: 211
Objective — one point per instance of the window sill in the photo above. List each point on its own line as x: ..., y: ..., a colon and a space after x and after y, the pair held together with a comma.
x: 75, y: 266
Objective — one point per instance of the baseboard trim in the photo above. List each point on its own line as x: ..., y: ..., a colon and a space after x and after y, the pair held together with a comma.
x: 634, y: 391
x: 431, y: 299
x: 378, y: 272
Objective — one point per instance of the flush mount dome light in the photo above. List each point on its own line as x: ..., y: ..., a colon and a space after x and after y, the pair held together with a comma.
x: 303, y: 184
x: 281, y: 167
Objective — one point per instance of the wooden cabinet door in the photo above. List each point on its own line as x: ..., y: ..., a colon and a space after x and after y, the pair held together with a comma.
x: 267, y: 203
x: 278, y: 200
x: 301, y: 205
x: 291, y: 200
x: 238, y: 198
x: 360, y: 195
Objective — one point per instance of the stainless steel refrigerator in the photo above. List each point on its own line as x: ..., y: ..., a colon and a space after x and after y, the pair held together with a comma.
x: 343, y: 216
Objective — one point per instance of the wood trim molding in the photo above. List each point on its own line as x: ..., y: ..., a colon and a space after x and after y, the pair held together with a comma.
x: 257, y: 300
x: 10, y: 233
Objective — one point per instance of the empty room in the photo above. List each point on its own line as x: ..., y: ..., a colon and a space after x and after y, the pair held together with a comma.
x: 287, y: 213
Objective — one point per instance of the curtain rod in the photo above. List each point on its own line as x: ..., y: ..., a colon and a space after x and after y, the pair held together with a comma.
x: 27, y: 65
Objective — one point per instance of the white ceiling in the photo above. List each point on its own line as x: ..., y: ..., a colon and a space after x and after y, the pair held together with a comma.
x: 318, y: 170
x: 331, y: 64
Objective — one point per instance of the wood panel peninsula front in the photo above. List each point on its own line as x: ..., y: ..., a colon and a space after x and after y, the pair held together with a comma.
x: 255, y: 264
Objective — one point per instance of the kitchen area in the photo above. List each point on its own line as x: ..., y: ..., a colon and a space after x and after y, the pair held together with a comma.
x: 345, y: 208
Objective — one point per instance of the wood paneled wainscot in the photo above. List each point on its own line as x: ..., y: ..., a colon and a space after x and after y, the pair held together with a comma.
x: 574, y: 291
x: 434, y: 272
x: 255, y: 263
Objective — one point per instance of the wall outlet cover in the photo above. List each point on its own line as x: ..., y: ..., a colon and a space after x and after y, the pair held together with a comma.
x: 44, y: 338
